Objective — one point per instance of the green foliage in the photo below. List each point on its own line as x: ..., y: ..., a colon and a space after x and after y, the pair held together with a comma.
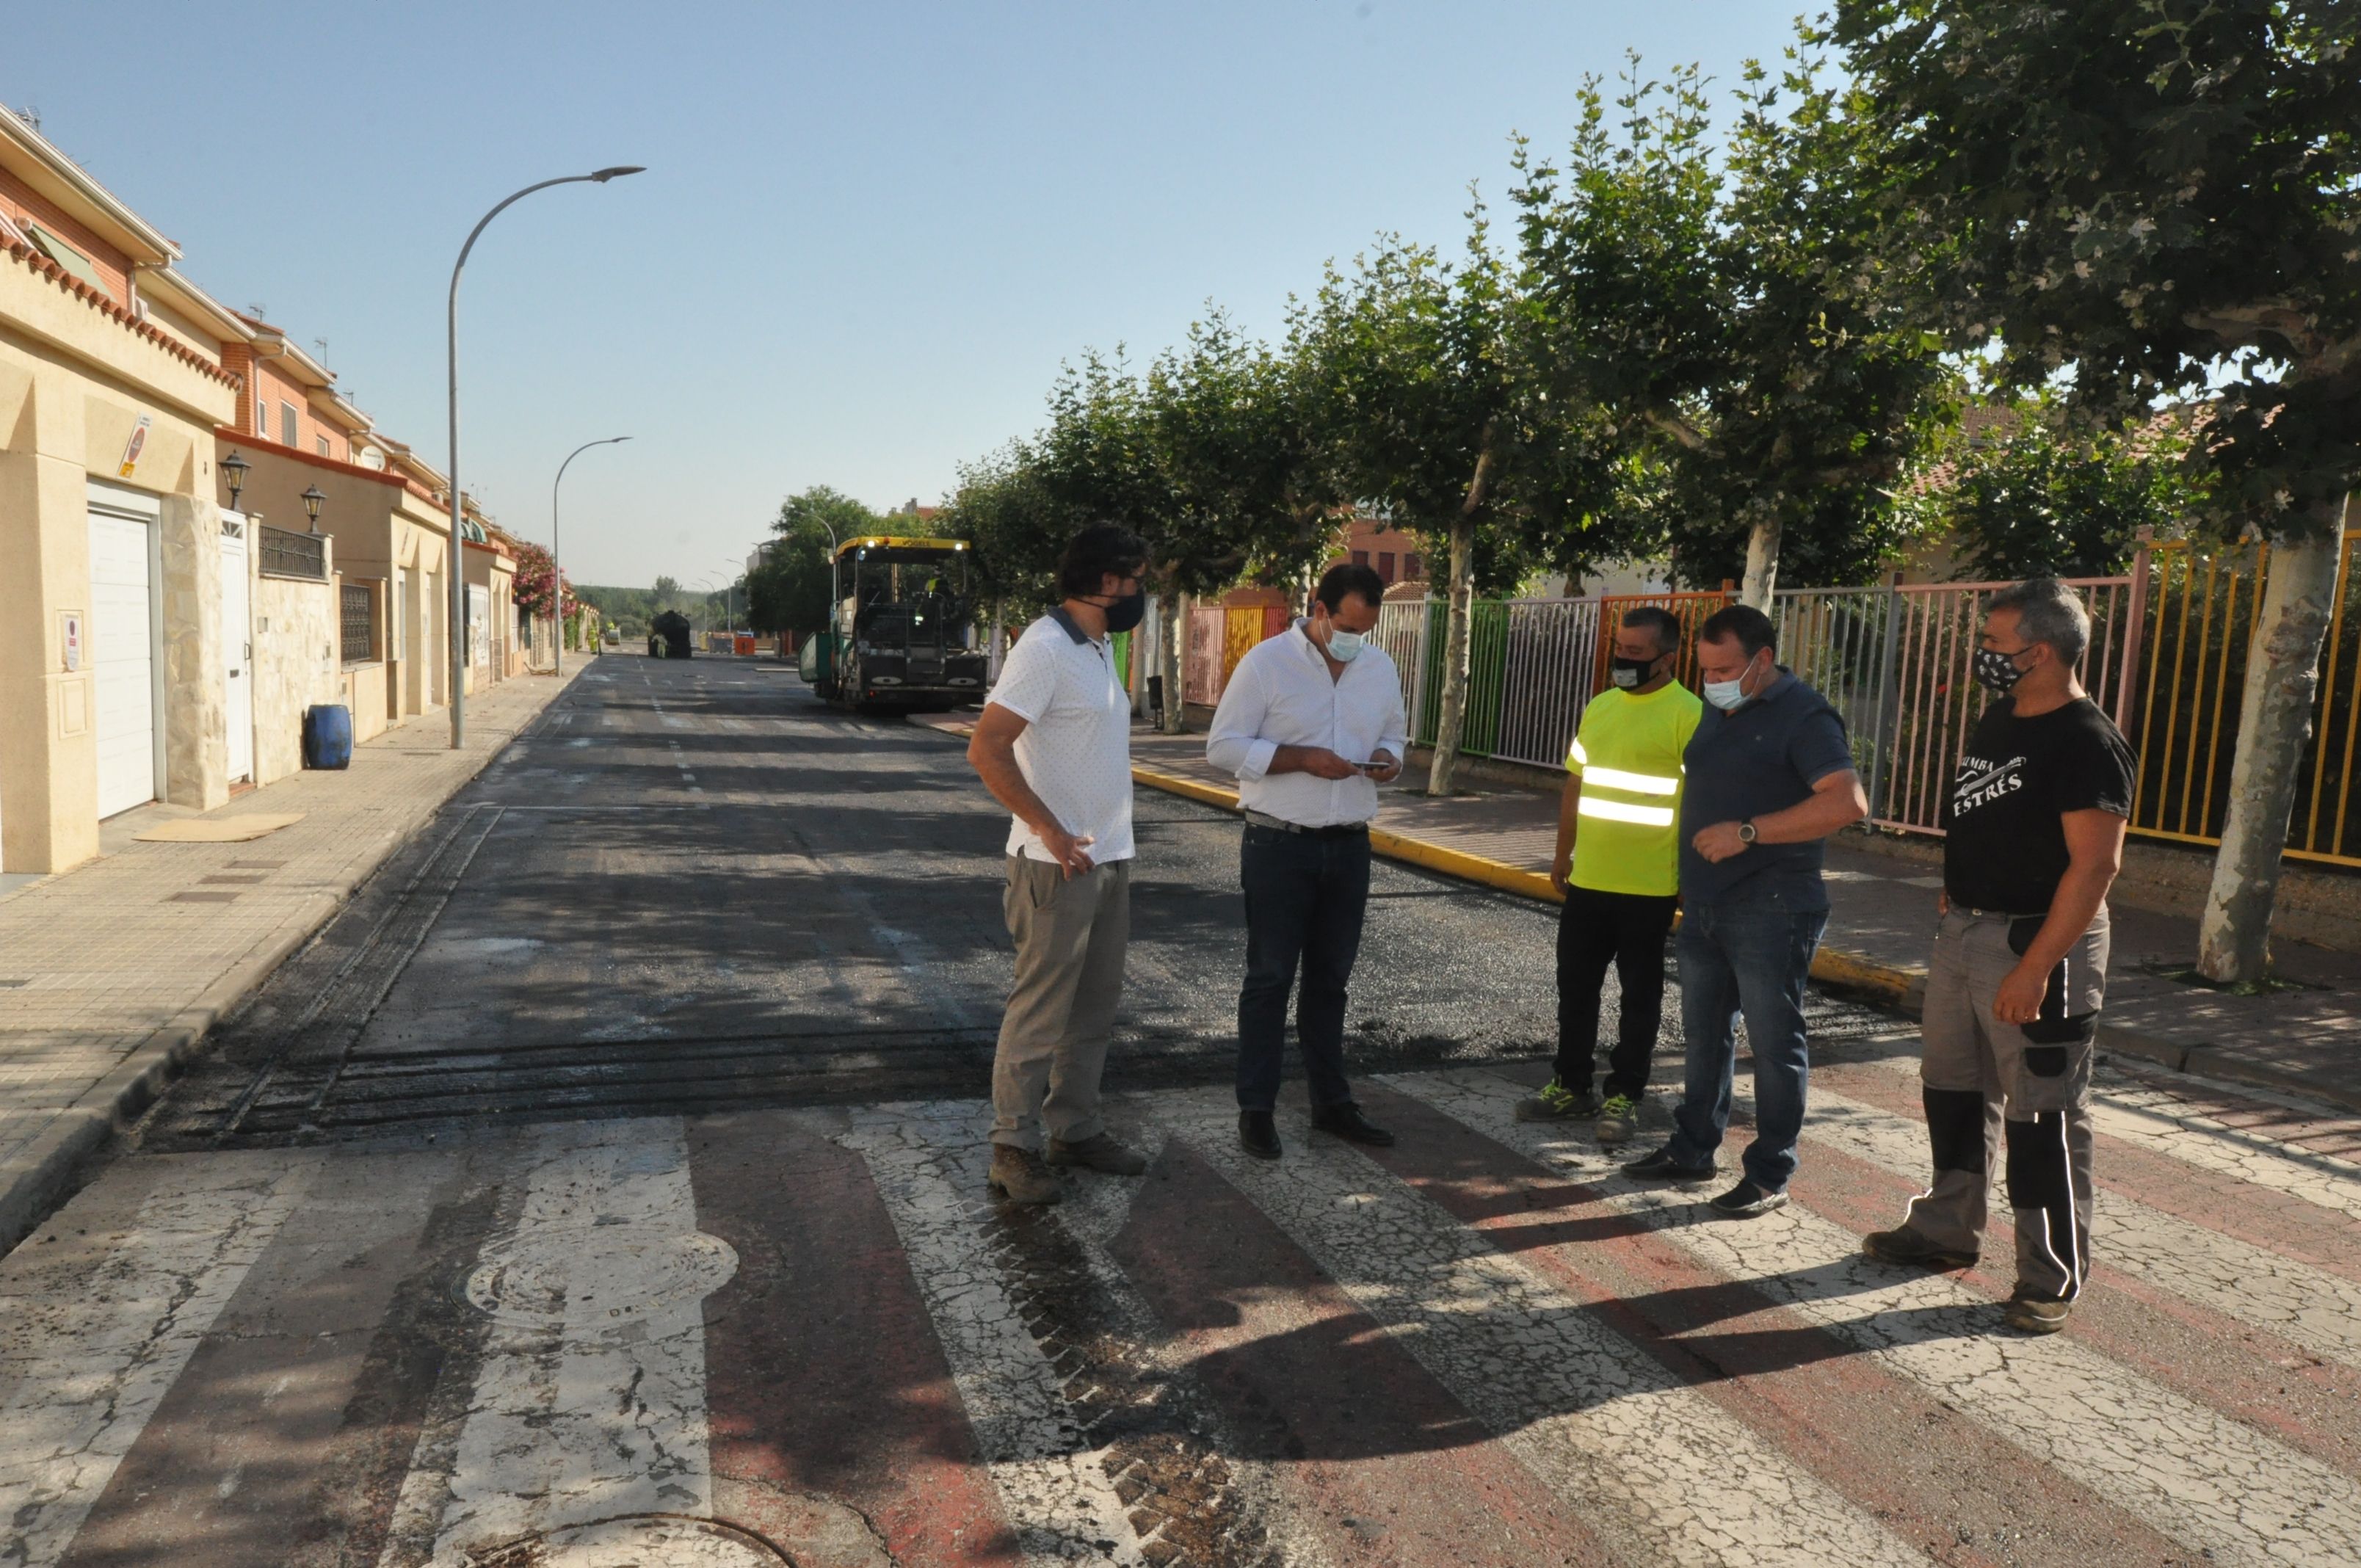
x: 2138, y: 201
x: 2028, y: 495
x: 790, y: 591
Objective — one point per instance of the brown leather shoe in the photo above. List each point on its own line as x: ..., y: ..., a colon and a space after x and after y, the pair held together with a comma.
x: 1098, y: 1152
x: 1019, y: 1175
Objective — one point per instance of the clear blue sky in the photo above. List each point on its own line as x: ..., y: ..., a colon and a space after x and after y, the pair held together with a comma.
x: 869, y: 231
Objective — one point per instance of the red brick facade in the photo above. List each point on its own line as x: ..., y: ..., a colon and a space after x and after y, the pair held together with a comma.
x: 21, y: 205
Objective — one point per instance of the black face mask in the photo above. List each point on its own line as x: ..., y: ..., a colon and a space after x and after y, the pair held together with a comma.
x: 1997, y: 671
x: 1629, y: 672
x: 1128, y: 610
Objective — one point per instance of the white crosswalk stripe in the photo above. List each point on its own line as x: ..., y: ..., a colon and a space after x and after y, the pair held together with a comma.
x: 2248, y: 1284
x: 589, y: 1403
x: 2197, y: 1473
x: 928, y: 1162
x: 1657, y: 1467
x: 92, y: 1334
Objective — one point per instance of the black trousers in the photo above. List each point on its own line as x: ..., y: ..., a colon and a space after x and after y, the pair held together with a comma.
x: 1628, y: 930
x: 1304, y: 901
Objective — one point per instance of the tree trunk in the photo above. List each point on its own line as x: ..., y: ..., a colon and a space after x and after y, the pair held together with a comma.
x: 999, y: 647
x: 1762, y: 565
x: 1458, y: 612
x: 1457, y: 632
x: 1147, y: 654
x: 1172, y: 653
x: 2274, y: 718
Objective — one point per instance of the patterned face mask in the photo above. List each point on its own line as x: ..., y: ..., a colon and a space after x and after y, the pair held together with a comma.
x: 1997, y: 671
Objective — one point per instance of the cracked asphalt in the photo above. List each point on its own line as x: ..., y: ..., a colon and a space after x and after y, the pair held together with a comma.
x: 605, y: 1187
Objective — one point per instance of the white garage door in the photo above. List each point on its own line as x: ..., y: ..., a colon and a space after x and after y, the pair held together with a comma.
x: 122, y: 646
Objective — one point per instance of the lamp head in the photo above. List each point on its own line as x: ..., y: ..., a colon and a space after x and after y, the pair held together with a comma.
x: 606, y: 174
x: 233, y: 469
x: 312, y: 497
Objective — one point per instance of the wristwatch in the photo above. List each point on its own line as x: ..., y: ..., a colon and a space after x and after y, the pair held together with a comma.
x: 1746, y: 831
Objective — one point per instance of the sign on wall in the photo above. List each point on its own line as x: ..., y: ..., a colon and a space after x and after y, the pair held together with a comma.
x: 69, y: 637
x: 133, y: 447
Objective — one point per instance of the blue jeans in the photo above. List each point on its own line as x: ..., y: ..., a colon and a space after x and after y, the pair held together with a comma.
x: 1304, y: 901
x: 1749, y: 955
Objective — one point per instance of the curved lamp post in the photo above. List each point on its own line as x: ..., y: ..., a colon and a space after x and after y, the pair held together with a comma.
x: 459, y: 561
x: 557, y: 578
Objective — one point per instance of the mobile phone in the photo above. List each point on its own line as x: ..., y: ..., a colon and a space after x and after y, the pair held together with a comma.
x: 1372, y: 767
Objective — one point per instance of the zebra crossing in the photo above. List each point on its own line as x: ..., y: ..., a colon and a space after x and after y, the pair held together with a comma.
x: 807, y: 1336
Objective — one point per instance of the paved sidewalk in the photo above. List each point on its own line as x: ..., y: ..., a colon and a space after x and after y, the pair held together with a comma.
x: 1882, y: 920
x: 111, y: 973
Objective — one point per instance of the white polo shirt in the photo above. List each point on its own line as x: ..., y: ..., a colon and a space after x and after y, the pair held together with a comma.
x: 1281, y: 694
x: 1076, y: 748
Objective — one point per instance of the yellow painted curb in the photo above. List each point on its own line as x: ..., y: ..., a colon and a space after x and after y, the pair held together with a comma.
x: 1904, y: 988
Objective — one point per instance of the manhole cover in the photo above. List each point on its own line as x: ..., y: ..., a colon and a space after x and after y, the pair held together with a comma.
x: 636, y: 1540
x: 598, y: 1278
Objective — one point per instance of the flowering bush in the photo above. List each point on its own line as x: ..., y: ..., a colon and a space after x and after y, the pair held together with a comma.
x: 538, y: 581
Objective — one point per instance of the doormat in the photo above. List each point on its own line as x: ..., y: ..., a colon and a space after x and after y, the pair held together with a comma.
x: 217, y: 829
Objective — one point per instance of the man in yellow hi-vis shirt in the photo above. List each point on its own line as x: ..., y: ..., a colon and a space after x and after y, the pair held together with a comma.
x: 1618, y: 862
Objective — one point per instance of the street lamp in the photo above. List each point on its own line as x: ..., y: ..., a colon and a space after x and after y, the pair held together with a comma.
x: 557, y: 580
x: 233, y: 471
x: 312, y: 497
x: 457, y: 563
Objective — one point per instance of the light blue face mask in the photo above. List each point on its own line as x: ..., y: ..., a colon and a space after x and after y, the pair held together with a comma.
x: 1345, y: 646
x: 1725, y: 695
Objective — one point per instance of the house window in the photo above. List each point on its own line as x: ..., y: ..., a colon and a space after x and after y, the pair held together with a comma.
x: 1360, y: 557
x: 1385, y: 564
x: 1413, y: 569
x: 286, y: 424
x: 321, y: 444
x: 357, y: 636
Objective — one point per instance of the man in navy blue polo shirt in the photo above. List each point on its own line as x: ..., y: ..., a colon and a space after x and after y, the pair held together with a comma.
x: 1769, y: 776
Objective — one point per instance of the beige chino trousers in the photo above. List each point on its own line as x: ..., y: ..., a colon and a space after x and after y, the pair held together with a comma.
x: 1071, y: 935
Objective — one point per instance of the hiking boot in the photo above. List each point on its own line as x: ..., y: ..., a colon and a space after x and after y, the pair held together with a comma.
x: 1905, y: 1246
x: 1098, y: 1152
x: 1557, y: 1103
x: 1618, y: 1119
x: 1748, y: 1202
x: 2033, y: 1314
x: 1019, y: 1175
x: 1661, y: 1167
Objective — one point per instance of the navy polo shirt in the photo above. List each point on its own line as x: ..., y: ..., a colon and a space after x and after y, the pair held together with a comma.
x: 1763, y: 757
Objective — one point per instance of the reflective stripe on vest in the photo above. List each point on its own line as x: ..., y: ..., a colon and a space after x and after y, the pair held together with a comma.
x: 1623, y: 811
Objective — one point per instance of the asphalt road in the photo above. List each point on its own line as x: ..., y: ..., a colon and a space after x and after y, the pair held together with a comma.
x: 604, y: 1187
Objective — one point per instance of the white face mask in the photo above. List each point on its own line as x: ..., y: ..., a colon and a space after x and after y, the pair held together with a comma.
x: 1727, y: 695
x: 1344, y: 646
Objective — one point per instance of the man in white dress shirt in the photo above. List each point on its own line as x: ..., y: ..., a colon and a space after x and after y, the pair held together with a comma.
x: 1310, y: 724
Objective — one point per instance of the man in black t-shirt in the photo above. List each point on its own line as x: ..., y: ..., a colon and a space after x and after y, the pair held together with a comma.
x: 2034, y: 823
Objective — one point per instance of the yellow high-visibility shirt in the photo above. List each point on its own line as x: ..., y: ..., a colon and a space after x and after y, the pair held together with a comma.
x: 1628, y: 755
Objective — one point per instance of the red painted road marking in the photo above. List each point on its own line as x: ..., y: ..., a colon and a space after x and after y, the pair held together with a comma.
x: 1370, y: 1447
x: 823, y: 1374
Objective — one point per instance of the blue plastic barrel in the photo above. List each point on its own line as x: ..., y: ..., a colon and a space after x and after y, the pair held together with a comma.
x: 328, y: 735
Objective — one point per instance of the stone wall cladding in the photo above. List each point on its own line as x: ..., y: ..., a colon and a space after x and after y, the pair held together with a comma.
x: 295, y: 665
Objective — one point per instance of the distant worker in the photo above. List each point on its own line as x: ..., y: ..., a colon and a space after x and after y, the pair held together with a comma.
x: 1770, y: 774
x: 1618, y: 865
x: 2034, y: 823
x: 1054, y: 746
x: 1310, y: 724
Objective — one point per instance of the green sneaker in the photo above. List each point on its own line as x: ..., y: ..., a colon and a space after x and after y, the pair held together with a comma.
x: 1617, y: 1120
x: 1557, y: 1103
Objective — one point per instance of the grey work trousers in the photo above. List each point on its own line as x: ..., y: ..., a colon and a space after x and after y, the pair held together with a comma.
x: 1070, y: 934
x: 1990, y: 1086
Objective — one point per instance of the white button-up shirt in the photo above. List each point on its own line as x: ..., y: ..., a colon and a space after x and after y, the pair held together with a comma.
x: 1281, y: 694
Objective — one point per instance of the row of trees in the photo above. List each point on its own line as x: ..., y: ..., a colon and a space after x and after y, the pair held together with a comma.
x: 2133, y: 222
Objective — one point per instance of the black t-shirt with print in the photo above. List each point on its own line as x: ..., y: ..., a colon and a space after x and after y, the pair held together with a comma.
x: 2006, y: 849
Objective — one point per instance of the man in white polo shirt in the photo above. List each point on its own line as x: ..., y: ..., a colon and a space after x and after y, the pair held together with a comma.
x: 1054, y: 746
x: 1310, y: 724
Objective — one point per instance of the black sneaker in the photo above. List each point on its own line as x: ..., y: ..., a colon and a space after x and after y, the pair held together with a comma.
x: 1748, y: 1202
x: 1661, y: 1167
